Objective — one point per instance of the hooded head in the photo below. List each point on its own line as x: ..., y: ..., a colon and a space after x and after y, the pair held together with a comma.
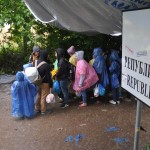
x: 97, y: 52
x: 80, y: 55
x: 71, y: 50
x: 60, y: 53
x: 114, y: 55
x: 19, y: 76
x: 44, y: 55
x: 36, y: 49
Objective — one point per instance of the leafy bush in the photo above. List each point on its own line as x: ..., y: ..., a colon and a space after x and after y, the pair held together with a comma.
x: 11, y: 62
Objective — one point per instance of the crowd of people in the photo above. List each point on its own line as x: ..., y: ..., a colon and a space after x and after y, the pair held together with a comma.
x: 103, y: 70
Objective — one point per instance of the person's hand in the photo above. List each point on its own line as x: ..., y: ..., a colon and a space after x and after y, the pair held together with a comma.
x: 79, y: 89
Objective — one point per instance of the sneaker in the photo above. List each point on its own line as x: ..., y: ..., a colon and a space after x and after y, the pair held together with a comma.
x: 46, y: 112
x: 60, y: 99
x: 19, y: 118
x: 83, y: 105
x: 63, y: 105
x: 43, y: 113
x: 112, y: 102
x: 118, y: 102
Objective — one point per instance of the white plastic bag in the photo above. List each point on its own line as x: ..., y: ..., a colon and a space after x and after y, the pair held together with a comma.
x: 50, y: 98
x: 96, y: 90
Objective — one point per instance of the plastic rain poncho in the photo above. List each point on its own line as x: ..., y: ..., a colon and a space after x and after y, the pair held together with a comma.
x: 83, y: 68
x: 115, y: 69
x: 100, y: 67
x: 23, y: 94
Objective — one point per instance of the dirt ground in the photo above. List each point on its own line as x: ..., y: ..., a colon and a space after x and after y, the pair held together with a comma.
x: 53, y: 131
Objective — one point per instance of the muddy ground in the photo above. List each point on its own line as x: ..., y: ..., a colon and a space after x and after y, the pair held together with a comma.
x: 53, y: 131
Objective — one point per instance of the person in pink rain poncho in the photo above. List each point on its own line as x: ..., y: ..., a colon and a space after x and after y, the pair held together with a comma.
x: 85, y: 77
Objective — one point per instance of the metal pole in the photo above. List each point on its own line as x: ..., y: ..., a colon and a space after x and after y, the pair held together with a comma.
x: 137, y: 124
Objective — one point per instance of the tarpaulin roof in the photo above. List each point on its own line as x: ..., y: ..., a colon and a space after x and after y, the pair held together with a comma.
x: 87, y: 16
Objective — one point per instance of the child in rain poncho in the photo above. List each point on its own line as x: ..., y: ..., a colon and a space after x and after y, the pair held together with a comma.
x: 85, y: 77
x: 23, y: 94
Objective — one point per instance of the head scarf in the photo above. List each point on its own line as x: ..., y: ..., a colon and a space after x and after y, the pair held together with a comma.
x: 71, y: 50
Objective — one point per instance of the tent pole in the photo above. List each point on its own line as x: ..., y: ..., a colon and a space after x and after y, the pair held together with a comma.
x: 137, y: 124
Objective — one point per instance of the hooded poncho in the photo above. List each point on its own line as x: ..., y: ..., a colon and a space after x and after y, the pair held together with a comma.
x: 83, y: 68
x: 100, y: 67
x: 23, y: 94
x: 115, y: 69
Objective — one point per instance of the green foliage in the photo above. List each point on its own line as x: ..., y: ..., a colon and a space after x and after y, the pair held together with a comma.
x: 147, y: 146
x: 11, y: 61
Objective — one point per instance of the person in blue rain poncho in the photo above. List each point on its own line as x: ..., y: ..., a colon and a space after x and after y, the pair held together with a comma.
x: 115, y: 73
x: 100, y: 67
x: 23, y: 94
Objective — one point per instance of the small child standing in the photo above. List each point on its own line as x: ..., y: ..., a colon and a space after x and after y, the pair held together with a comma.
x: 23, y: 94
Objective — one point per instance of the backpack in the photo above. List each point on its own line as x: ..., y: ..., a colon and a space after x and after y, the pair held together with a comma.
x: 72, y: 71
x: 33, y: 74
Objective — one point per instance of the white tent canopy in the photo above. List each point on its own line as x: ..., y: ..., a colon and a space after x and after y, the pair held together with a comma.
x: 87, y: 16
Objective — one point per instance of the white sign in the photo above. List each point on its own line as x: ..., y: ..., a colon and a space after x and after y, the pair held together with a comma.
x: 136, y: 54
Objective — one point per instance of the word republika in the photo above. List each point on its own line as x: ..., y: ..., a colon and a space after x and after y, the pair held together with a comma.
x: 137, y: 66
x: 140, y: 68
